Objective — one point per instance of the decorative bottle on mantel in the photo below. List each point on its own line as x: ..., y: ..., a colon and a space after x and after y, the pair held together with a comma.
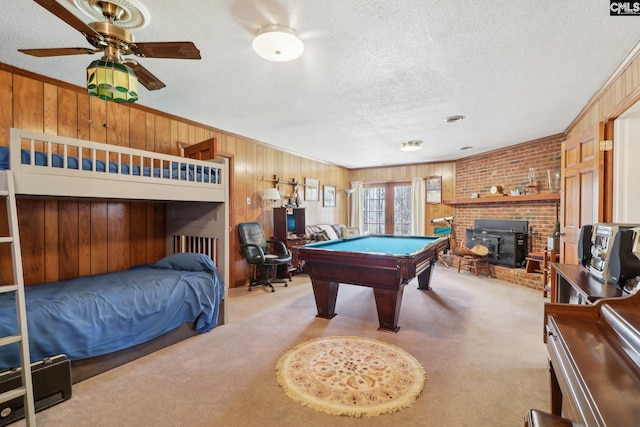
x: 532, y: 185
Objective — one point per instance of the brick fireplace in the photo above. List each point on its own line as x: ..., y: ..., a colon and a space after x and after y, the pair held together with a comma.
x: 509, y: 168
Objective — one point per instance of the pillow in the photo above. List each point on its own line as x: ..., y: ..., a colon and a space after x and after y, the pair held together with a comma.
x: 338, y: 229
x: 331, y: 233
x: 350, y: 232
x: 187, y: 262
x: 310, y: 230
x: 320, y: 236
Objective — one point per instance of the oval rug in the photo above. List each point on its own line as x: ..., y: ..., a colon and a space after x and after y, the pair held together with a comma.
x: 351, y: 376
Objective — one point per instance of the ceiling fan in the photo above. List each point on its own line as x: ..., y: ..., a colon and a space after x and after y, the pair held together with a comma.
x: 114, y: 40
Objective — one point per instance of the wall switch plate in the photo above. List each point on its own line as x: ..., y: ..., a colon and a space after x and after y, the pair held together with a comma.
x: 248, y: 201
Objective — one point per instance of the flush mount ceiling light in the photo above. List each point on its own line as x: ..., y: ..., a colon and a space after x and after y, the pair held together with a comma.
x: 454, y: 119
x: 278, y: 43
x: 411, y: 146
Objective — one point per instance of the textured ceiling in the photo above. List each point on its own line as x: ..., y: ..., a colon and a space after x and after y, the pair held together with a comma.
x: 374, y: 73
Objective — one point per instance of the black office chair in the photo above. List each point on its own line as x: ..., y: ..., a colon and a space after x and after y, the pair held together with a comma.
x: 256, y: 251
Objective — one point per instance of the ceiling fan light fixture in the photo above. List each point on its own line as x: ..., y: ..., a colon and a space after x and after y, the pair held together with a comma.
x: 411, y: 146
x: 112, y: 81
x: 278, y: 43
x: 130, y: 14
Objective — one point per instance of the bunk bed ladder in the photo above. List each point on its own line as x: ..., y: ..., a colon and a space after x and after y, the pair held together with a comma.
x: 26, y: 390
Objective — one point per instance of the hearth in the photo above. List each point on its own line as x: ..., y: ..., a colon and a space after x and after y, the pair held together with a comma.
x: 505, y: 239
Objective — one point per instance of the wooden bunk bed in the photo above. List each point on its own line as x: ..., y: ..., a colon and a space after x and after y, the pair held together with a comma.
x: 48, y: 165
x: 196, y: 194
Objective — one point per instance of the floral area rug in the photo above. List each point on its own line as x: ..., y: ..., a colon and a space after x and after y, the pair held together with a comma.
x: 351, y: 376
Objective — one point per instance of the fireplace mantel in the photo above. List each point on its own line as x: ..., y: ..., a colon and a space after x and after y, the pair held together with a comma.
x: 505, y: 199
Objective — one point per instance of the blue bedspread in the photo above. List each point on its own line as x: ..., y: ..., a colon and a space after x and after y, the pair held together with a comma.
x: 176, y: 171
x: 96, y: 315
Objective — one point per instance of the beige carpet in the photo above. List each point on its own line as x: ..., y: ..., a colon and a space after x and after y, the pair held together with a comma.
x: 479, y: 340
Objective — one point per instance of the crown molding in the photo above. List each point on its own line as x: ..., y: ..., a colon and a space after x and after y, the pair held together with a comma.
x: 629, y: 100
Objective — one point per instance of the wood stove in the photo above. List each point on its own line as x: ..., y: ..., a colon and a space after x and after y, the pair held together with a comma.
x: 505, y: 239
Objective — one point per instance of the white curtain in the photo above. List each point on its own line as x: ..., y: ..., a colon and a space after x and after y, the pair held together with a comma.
x: 356, y: 219
x: 417, y: 206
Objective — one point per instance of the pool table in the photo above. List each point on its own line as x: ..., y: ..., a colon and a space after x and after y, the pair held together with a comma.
x: 385, y: 263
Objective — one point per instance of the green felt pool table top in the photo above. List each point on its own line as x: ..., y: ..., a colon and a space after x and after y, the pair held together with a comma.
x: 378, y: 244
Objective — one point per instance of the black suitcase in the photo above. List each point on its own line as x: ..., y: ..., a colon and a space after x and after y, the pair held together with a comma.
x: 51, y: 378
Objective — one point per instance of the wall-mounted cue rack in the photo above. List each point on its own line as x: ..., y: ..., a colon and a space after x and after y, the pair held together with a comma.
x: 276, y: 181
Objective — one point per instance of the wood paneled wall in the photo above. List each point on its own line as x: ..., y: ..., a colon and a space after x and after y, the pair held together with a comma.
x: 69, y: 238
x: 64, y: 238
x: 253, y: 165
x: 447, y: 170
x: 621, y: 91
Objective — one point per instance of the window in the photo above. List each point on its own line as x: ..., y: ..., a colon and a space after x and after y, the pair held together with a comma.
x: 374, y: 210
x: 387, y: 208
x: 402, y: 209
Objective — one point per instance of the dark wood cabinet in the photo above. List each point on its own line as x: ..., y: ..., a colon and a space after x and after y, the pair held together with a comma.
x: 282, y: 217
x: 288, y: 227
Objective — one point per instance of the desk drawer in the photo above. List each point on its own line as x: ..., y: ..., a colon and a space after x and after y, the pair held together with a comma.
x: 560, y: 361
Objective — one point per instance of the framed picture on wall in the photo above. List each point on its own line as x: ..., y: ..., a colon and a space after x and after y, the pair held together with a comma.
x: 329, y: 196
x: 434, y: 189
x: 311, y: 190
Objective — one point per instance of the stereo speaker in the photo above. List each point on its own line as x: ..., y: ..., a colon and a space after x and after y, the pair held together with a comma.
x: 584, y: 244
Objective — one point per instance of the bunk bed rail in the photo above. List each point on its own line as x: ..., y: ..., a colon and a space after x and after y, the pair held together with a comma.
x: 50, y: 165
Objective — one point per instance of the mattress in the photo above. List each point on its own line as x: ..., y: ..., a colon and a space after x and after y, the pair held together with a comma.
x: 173, y: 170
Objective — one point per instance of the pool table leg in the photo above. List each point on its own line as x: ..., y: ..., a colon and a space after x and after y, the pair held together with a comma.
x: 388, y: 304
x: 424, y: 278
x: 325, y: 293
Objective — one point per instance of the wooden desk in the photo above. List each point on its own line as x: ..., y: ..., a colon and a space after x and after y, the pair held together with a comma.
x: 574, y: 284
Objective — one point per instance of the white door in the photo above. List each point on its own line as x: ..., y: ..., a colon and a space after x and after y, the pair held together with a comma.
x: 626, y: 162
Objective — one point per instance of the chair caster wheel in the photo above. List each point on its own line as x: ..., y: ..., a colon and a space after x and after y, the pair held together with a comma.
x: 273, y: 290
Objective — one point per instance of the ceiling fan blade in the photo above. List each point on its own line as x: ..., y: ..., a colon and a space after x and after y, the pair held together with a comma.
x: 145, y: 77
x: 176, y: 50
x: 68, y: 17
x: 61, y: 51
